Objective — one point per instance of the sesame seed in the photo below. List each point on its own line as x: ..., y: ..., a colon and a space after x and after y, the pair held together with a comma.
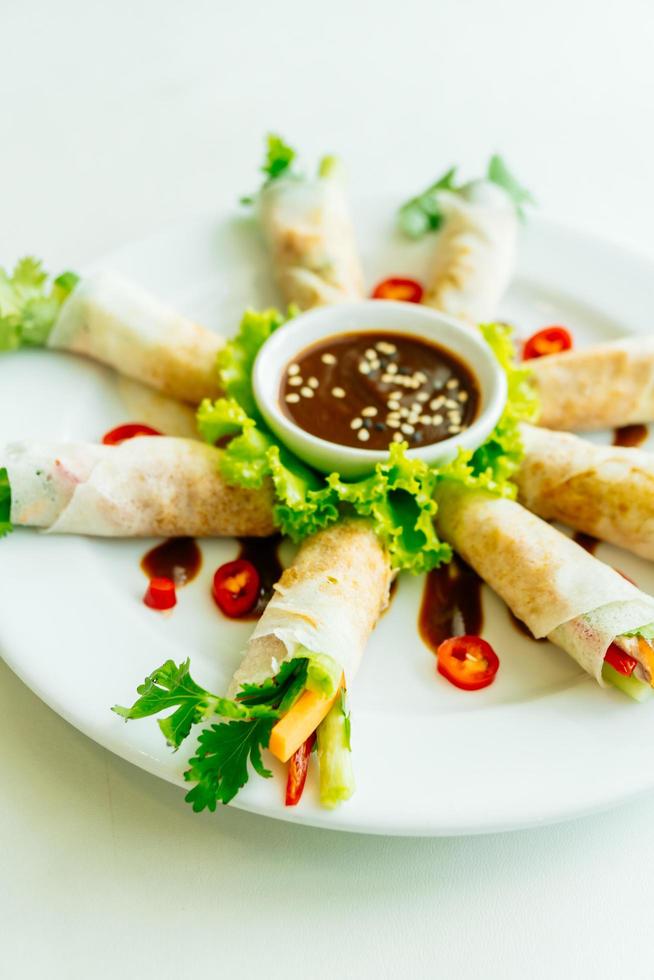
x: 391, y: 369
x: 338, y: 392
x: 375, y: 365
x: 363, y: 435
x: 385, y: 348
x: 463, y: 396
x: 407, y: 429
x: 421, y: 377
x: 452, y: 383
x: 453, y: 429
x: 328, y: 359
x: 356, y: 423
x: 450, y: 403
x: 454, y: 416
x: 416, y: 407
x: 393, y: 405
x: 404, y: 412
x: 296, y: 380
x: 425, y: 419
x: 397, y: 437
x: 436, y: 403
x: 364, y: 367
x: 313, y: 383
x: 292, y: 398
x: 369, y: 412
x: 413, y: 383
x: 294, y: 369
x: 306, y: 392
x: 392, y: 423
x: 395, y: 394
x: 371, y: 355
x: 436, y: 419
x: 423, y: 396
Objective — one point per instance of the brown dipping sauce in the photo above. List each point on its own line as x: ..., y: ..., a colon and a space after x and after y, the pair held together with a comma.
x: 179, y: 559
x: 370, y: 389
x: 262, y: 553
x: 630, y: 435
x: 451, y: 604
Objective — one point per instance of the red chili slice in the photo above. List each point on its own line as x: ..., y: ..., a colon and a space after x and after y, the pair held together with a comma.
x: 406, y: 290
x: 620, y: 661
x: 549, y: 340
x: 298, y: 766
x: 160, y: 594
x: 467, y: 662
x: 236, y: 587
x: 123, y: 432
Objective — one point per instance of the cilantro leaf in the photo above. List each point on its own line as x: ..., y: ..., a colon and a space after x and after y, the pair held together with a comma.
x: 172, y: 686
x: 5, y: 503
x: 220, y: 766
x: 280, y: 691
x: 499, y: 174
x: 279, y: 157
x: 423, y: 213
x: 28, y: 309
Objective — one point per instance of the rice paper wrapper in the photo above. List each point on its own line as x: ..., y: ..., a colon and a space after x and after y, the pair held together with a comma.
x: 545, y: 578
x: 475, y: 255
x: 597, y: 388
x: 605, y: 491
x: 310, y: 235
x: 145, y: 487
x: 328, y: 601
x: 117, y: 323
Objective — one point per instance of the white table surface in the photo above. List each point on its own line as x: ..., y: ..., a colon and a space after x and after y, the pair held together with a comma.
x: 118, y: 119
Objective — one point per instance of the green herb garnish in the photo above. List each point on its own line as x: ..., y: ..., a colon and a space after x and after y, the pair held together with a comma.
x: 5, y: 503
x: 29, y: 305
x: 220, y: 764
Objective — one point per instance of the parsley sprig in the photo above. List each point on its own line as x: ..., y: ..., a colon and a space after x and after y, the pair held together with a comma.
x: 219, y: 767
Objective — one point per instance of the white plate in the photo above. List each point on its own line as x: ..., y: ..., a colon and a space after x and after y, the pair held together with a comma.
x: 543, y: 743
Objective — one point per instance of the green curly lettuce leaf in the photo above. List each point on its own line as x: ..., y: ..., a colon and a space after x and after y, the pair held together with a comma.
x: 29, y: 304
x: 398, y: 497
x: 5, y: 503
x: 236, y: 359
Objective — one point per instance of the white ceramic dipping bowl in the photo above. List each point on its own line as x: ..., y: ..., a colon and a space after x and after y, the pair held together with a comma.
x: 371, y: 316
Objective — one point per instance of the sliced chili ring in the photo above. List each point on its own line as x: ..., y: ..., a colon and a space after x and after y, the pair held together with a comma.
x: 160, y: 594
x: 549, y: 340
x: 620, y: 661
x: 128, y: 431
x: 405, y: 290
x: 236, y: 587
x: 468, y: 662
x: 298, y: 766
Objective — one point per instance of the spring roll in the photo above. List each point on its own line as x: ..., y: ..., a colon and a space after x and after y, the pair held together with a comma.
x: 323, y: 611
x: 117, y: 323
x: 145, y: 487
x: 548, y: 581
x: 605, y: 491
x: 309, y: 232
x: 598, y: 387
x: 327, y: 602
x: 475, y: 252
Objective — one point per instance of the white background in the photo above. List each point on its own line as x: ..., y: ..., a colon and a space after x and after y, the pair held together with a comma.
x: 118, y: 119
